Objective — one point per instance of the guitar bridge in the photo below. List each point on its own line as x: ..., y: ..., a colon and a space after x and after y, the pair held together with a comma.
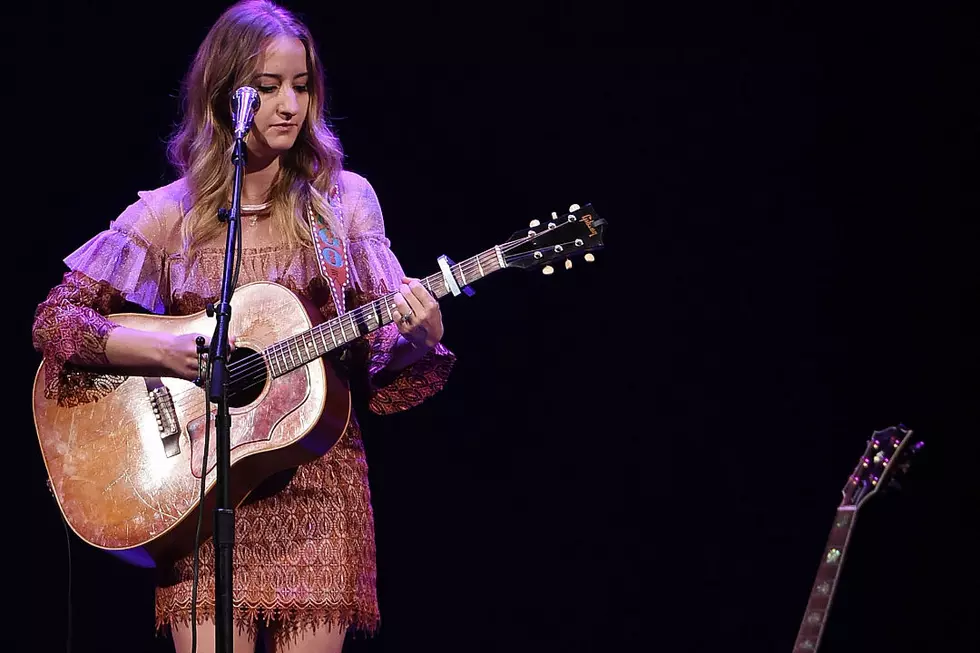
x: 163, y: 409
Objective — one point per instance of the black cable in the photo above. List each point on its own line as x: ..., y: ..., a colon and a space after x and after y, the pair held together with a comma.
x: 68, y: 543
x: 200, y: 505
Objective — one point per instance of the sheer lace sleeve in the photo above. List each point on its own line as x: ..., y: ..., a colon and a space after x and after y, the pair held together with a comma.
x: 377, y: 272
x: 119, y: 265
x: 129, y: 255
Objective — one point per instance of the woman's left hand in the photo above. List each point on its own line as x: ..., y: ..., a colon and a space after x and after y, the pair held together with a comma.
x: 417, y: 314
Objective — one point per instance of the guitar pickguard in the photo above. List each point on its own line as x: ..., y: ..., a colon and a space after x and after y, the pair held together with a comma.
x: 253, y: 423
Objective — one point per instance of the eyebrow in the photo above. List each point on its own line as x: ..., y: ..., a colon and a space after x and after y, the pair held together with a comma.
x: 279, y: 77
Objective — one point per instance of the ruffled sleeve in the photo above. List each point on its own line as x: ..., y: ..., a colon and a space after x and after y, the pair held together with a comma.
x: 129, y: 256
x: 376, y: 272
x: 120, y: 265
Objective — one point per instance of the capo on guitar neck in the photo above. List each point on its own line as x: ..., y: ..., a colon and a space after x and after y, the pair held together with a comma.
x: 444, y: 264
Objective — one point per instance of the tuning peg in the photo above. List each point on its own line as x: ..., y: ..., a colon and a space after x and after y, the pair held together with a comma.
x: 589, y: 257
x: 554, y: 215
x: 534, y: 223
x: 547, y: 269
x: 568, y: 264
x: 573, y: 208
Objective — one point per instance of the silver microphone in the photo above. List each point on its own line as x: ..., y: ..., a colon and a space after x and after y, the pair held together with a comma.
x: 245, y: 102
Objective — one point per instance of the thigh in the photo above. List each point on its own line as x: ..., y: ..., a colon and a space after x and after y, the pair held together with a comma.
x: 244, y: 642
x: 322, y: 640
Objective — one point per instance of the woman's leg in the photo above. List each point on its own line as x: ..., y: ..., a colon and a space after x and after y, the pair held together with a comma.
x: 244, y: 642
x: 307, y: 641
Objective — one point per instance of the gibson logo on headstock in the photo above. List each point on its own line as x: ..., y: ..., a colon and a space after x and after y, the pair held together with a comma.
x: 587, y: 219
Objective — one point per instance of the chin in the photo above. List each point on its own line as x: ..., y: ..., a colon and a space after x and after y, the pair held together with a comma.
x: 273, y: 147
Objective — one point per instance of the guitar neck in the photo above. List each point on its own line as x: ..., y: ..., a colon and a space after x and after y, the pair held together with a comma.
x: 296, y: 351
x: 822, y: 593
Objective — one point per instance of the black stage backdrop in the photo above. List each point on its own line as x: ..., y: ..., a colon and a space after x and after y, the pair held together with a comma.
x: 640, y: 454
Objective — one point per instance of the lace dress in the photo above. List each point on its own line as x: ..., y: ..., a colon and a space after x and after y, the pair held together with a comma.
x: 304, y: 553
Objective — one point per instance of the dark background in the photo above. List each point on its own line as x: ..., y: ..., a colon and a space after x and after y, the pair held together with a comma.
x: 642, y: 454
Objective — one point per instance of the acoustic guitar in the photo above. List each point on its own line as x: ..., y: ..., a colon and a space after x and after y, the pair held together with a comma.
x: 126, y: 469
x: 886, y: 457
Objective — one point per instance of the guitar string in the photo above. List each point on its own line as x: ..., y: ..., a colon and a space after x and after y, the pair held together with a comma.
x: 359, y: 313
x: 258, y: 362
x: 254, y: 366
x: 261, y: 364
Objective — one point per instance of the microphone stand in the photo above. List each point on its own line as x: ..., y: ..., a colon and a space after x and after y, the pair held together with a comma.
x: 224, y: 514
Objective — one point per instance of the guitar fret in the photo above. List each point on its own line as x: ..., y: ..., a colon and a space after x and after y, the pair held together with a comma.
x: 479, y: 266
x: 323, y: 342
x: 282, y: 358
x: 343, y: 336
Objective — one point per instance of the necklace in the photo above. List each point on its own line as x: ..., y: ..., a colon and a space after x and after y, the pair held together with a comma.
x: 252, y: 211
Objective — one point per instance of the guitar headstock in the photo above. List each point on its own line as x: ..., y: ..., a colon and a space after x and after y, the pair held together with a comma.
x: 558, y: 239
x: 886, y: 458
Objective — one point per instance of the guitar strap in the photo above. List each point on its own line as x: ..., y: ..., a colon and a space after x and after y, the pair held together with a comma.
x: 331, y: 252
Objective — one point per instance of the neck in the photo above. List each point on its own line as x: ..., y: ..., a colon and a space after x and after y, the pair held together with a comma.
x: 296, y: 351
x: 822, y: 593
x: 260, y: 172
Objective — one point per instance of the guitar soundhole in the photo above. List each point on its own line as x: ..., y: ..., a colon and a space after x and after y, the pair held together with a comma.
x: 247, y: 377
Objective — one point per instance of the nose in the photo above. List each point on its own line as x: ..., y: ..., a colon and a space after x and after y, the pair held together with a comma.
x: 289, y: 103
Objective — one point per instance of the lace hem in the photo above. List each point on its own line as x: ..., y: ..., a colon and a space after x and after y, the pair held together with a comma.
x: 288, y: 622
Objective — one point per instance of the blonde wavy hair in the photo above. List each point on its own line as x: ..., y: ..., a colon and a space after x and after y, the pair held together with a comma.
x: 201, y: 146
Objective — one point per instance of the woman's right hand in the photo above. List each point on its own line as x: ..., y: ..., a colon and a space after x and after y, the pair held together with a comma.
x: 154, y: 353
x: 180, y: 356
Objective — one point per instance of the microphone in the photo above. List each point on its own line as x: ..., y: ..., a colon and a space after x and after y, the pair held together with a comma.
x: 245, y: 102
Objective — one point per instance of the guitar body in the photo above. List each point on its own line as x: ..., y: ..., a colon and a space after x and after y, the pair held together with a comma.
x: 126, y: 468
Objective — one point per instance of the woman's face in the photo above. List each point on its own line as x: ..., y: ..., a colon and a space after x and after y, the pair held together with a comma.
x: 281, y: 79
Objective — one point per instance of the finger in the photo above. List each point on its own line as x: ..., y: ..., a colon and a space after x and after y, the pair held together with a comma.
x: 413, y: 301
x: 401, y: 305
x: 424, y: 296
x: 404, y: 327
x: 399, y: 309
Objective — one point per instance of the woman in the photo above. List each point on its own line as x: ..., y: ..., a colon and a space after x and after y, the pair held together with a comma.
x: 304, y: 563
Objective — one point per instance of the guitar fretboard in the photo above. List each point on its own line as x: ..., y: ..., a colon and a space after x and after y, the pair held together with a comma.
x: 296, y: 351
x: 822, y: 592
